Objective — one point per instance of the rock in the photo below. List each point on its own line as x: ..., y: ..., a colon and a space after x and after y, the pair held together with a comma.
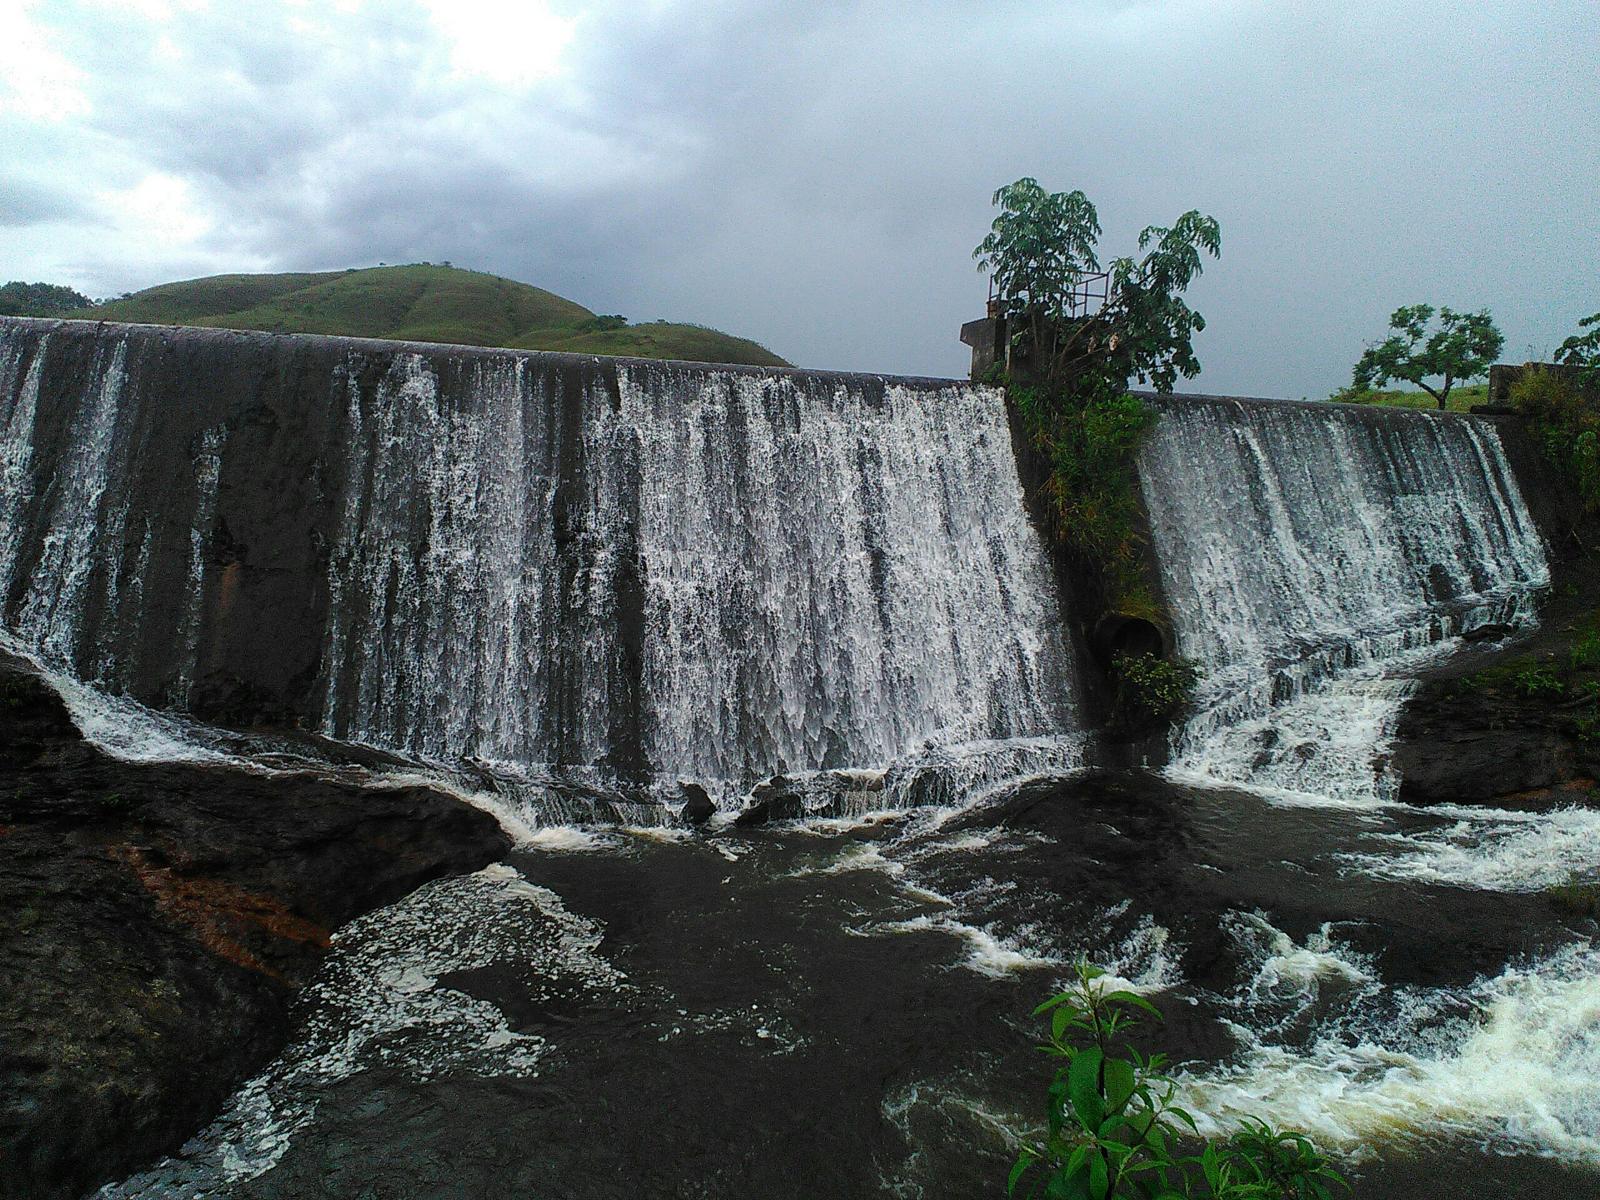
x: 1489, y: 747
x: 160, y: 919
x: 775, y: 799
x: 1488, y: 633
x: 697, y: 804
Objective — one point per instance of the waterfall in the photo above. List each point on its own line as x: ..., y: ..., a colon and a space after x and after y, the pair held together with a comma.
x: 1304, y: 547
x: 627, y: 571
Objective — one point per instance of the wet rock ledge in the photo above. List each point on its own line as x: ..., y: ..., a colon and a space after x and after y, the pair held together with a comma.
x: 1515, y: 727
x: 158, y: 921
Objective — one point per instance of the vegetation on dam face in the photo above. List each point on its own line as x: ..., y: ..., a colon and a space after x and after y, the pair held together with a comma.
x: 1075, y: 337
x: 422, y: 302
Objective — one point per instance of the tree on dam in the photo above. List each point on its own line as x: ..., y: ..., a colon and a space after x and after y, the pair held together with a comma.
x: 1458, y: 350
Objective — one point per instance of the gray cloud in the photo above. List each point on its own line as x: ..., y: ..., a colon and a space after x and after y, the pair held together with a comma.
x: 815, y: 176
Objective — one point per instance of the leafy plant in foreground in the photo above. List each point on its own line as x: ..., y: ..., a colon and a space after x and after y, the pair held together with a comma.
x: 1114, y: 1128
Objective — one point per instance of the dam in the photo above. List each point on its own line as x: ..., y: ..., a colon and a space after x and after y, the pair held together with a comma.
x: 577, y: 591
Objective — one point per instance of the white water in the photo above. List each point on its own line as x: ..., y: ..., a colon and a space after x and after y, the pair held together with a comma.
x: 646, y: 573
x: 1492, y: 850
x: 1315, y: 559
x: 379, y: 1002
x: 1307, y: 553
x: 829, y: 573
x: 1513, y: 1061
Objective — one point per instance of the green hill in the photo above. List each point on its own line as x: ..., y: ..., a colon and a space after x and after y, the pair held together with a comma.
x: 423, y: 303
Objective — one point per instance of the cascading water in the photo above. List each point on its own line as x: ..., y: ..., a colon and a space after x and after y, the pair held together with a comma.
x: 631, y: 573
x: 548, y: 574
x: 1305, y: 549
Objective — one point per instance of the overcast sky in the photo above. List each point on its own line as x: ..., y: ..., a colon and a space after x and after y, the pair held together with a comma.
x: 815, y: 175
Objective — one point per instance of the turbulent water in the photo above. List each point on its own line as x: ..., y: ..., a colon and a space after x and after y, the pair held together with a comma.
x: 824, y: 573
x: 535, y: 575
x: 1310, y: 553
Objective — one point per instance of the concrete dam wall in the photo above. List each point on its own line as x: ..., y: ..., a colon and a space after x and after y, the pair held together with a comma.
x: 653, y: 571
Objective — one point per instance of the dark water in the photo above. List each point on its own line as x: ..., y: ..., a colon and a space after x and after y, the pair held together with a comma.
x: 842, y: 1009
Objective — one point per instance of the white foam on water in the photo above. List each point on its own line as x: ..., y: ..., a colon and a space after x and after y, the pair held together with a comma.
x: 1145, y: 961
x: 1291, y: 974
x: 1521, y: 1074
x: 1492, y: 849
x: 569, y: 839
x: 664, y: 834
x: 124, y: 728
x: 1324, y: 749
x: 378, y: 1002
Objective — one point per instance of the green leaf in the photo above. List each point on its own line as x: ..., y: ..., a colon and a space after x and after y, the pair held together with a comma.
x: 1075, y: 1161
x: 1175, y: 1111
x: 1099, y: 1178
x: 1119, y: 1083
x: 1059, y: 1021
x: 1018, y: 1170
x: 1083, y: 1086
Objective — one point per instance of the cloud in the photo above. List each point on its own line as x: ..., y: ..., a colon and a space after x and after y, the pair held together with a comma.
x: 815, y: 176
x: 36, y: 82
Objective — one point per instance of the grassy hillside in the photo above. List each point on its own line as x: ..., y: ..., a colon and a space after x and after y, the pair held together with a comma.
x: 422, y: 303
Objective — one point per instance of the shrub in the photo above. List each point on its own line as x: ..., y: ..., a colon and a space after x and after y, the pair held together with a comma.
x: 1093, y: 489
x: 1582, y: 350
x: 1151, y: 689
x: 1585, y: 652
x: 1534, y: 682
x: 1114, y: 1130
x: 1567, y: 425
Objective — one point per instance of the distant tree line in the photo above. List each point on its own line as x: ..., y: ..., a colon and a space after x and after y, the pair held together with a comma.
x: 18, y: 299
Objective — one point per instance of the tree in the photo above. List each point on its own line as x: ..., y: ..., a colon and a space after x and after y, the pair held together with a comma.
x: 18, y: 299
x: 1040, y: 249
x: 1459, y: 350
x: 1582, y: 350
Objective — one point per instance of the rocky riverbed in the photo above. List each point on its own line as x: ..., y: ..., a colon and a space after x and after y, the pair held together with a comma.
x: 161, y: 920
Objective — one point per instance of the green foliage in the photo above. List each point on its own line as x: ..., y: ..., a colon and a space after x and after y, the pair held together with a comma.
x: 1533, y: 682
x: 656, y: 339
x: 1566, y: 422
x: 1578, y: 899
x: 1585, y: 652
x: 1038, y: 246
x: 1073, y: 397
x: 18, y: 299
x: 422, y: 302
x: 1092, y: 489
x: 1114, y: 1131
x: 1461, y: 348
x: 1582, y: 350
x: 1037, y: 251
x: 1151, y: 689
